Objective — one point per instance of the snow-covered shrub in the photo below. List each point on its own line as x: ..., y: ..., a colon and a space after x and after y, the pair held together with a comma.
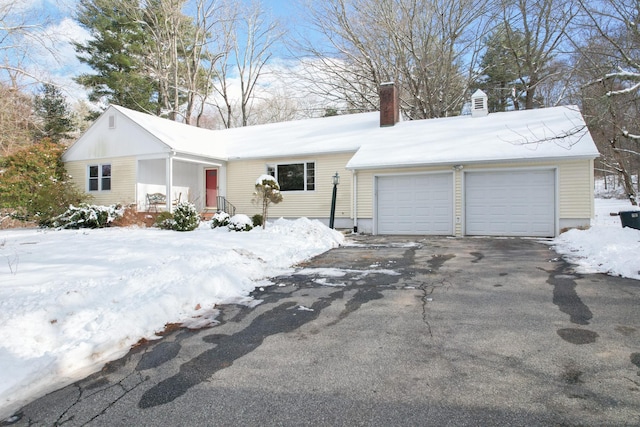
x: 186, y: 217
x: 240, y: 222
x: 220, y: 219
x: 165, y: 221
x: 87, y: 216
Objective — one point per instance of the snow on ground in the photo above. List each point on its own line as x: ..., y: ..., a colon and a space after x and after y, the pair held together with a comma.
x: 70, y: 301
x: 73, y: 300
x: 606, y: 247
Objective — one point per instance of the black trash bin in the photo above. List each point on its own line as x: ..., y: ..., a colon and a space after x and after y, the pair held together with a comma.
x: 630, y: 219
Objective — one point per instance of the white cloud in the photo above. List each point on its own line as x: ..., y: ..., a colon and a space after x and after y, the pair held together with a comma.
x: 54, y: 56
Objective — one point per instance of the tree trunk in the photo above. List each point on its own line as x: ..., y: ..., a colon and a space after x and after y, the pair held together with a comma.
x: 627, y: 180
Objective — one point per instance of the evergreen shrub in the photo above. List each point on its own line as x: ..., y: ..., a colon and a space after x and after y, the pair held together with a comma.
x: 186, y: 217
x: 220, y: 219
x: 86, y: 216
x: 240, y: 222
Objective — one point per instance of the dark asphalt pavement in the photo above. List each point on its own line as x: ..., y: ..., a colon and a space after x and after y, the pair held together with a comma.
x: 389, y: 331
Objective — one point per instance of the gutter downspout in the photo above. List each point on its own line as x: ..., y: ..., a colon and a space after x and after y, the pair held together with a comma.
x: 355, y: 200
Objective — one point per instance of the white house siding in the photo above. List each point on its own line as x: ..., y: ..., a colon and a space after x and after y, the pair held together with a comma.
x: 242, y: 175
x: 123, y: 178
x: 576, y: 190
x: 124, y: 140
x: 365, y: 194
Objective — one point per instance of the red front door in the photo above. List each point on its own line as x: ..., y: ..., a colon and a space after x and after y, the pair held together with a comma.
x: 212, y: 187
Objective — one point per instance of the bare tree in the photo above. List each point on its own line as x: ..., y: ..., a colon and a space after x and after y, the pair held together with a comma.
x: 16, y: 120
x: 20, y: 34
x: 226, y: 30
x: 535, y: 33
x: 276, y: 106
x: 609, y: 61
x: 248, y: 37
x: 261, y: 33
x: 199, y: 58
x: 429, y: 48
x: 164, y: 20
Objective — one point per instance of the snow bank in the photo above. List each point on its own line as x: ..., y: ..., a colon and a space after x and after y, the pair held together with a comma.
x: 606, y: 247
x: 73, y: 300
x: 602, y: 249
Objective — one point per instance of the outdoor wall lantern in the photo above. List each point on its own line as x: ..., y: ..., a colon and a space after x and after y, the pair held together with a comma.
x: 336, y: 180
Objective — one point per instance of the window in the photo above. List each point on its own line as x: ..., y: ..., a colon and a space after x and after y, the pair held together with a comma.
x: 100, y: 177
x: 294, y: 176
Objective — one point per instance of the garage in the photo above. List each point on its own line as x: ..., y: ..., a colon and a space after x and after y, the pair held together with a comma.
x: 415, y: 204
x: 510, y: 203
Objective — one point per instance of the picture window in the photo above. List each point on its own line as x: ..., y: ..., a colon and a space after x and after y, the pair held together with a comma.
x: 294, y: 176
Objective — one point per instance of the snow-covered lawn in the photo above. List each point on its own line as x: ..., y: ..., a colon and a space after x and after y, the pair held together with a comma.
x: 606, y: 247
x: 70, y: 301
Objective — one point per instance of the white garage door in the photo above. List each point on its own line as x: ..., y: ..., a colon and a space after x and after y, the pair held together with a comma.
x: 510, y: 203
x: 415, y: 204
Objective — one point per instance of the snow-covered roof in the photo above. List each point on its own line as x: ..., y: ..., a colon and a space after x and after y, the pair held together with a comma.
x: 519, y: 135
x: 547, y: 133
x: 177, y: 136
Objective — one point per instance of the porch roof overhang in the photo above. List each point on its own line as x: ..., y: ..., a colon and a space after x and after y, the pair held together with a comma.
x: 185, y: 157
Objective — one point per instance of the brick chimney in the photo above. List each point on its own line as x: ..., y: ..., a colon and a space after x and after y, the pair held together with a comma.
x: 389, y: 105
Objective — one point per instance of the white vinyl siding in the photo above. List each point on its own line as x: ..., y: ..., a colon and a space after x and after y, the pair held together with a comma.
x: 123, y: 180
x: 576, y: 189
x: 242, y: 175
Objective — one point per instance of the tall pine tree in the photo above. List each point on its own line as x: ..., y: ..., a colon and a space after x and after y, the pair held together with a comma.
x: 115, y: 53
x: 500, y: 73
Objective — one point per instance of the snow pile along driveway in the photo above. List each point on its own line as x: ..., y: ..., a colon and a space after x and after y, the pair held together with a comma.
x: 72, y: 300
x: 606, y: 247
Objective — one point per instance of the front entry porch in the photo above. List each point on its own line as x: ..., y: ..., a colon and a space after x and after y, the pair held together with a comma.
x: 164, y: 182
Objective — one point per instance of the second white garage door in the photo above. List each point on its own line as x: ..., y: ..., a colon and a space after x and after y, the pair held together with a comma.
x: 415, y: 204
x: 510, y: 203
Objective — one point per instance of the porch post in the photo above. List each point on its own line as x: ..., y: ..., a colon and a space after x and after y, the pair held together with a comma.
x: 169, y: 181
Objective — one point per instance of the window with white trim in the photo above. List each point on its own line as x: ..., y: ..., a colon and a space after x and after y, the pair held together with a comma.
x: 99, y: 177
x: 294, y: 176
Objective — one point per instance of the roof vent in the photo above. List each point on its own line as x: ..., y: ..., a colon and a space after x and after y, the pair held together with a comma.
x: 479, y: 106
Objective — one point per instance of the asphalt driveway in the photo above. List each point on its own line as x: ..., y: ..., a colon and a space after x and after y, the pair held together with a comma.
x: 389, y: 331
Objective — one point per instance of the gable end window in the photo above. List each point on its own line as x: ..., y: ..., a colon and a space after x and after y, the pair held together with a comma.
x: 294, y: 176
x: 99, y: 177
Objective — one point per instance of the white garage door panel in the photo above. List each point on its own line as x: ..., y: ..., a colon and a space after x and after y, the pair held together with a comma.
x: 415, y: 204
x: 510, y: 203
